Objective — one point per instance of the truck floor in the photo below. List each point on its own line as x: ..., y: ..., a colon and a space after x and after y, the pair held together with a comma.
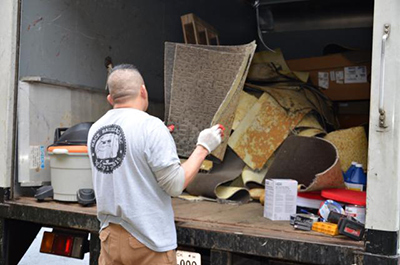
x: 228, y: 228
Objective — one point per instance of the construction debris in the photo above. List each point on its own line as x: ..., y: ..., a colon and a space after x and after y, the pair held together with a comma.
x: 215, y: 74
x: 246, y: 101
x: 312, y: 161
x: 276, y: 128
x: 352, y: 145
x: 263, y: 130
x: 219, y: 182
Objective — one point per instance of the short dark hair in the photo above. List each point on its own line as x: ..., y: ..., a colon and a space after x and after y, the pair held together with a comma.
x: 124, y: 66
x: 124, y: 81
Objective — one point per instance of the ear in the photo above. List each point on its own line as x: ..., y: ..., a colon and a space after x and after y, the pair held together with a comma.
x: 110, y: 100
x: 143, y: 92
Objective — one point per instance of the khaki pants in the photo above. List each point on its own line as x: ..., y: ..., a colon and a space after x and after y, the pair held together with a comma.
x: 119, y: 247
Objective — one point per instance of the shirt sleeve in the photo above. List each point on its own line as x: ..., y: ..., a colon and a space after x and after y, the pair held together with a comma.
x: 160, y: 149
x: 171, y: 179
x: 162, y: 157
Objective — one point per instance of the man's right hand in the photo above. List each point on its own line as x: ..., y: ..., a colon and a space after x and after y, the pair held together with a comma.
x: 211, y: 138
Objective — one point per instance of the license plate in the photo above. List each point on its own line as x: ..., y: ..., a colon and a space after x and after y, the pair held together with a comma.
x: 187, y: 258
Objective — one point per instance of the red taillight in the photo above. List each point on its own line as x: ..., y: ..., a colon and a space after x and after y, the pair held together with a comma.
x: 62, y: 245
x: 47, y: 242
x: 70, y: 244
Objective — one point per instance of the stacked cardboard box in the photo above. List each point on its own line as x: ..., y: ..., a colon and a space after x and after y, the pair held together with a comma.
x: 345, y: 79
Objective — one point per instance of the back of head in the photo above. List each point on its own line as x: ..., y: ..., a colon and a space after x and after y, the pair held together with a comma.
x: 124, y: 83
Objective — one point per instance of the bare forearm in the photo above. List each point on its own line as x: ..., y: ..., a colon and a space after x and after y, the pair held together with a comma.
x: 193, y: 164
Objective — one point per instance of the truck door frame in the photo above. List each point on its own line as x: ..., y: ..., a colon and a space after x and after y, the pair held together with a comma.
x: 9, y: 56
x: 383, y: 196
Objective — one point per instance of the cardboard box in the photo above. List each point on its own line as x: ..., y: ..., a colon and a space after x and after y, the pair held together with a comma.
x: 352, y: 107
x: 280, y: 199
x: 341, y: 76
x: 352, y: 120
x: 352, y: 113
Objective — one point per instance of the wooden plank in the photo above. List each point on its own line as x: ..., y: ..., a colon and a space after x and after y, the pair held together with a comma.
x: 199, y: 211
x: 197, y: 31
x: 232, y: 228
x: 246, y: 219
x: 267, y: 232
x: 55, y: 205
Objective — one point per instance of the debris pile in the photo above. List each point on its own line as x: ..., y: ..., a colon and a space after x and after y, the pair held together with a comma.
x: 278, y: 125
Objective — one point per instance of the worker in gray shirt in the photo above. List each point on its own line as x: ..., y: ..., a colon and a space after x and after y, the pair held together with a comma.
x: 136, y: 170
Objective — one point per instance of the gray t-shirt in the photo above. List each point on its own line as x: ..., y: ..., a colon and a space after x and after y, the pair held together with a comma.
x: 126, y: 147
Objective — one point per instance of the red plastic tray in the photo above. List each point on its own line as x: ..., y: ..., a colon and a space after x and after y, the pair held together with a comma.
x: 314, y: 195
x: 346, y: 196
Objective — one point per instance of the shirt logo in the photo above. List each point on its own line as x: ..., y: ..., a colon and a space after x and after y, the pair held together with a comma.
x: 108, y: 148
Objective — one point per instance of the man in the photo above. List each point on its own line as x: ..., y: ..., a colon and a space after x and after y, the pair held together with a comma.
x: 136, y: 170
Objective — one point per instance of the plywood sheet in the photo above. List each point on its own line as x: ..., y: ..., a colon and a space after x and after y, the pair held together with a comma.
x: 312, y: 161
x: 352, y: 145
x: 262, y: 131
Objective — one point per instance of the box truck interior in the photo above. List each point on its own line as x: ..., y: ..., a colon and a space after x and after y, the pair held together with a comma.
x: 62, y: 73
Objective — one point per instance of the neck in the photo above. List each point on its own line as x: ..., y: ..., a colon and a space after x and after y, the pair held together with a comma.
x: 130, y: 105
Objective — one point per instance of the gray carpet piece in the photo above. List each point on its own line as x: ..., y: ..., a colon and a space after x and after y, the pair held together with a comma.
x: 202, y: 86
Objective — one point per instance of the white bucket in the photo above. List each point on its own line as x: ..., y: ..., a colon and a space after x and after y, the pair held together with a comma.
x: 70, y: 171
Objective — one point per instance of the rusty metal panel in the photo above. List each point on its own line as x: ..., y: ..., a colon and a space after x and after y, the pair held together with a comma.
x: 352, y: 145
x: 263, y: 130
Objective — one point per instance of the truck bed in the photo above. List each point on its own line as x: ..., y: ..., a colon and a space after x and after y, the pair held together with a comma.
x: 209, y: 225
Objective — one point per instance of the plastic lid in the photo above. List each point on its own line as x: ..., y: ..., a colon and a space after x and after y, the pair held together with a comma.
x: 66, y: 149
x: 359, y: 165
x: 76, y: 135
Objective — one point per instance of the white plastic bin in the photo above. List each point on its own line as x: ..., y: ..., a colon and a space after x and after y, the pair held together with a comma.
x: 70, y: 171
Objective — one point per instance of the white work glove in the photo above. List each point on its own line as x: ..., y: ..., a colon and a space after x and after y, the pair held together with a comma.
x: 211, y: 138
